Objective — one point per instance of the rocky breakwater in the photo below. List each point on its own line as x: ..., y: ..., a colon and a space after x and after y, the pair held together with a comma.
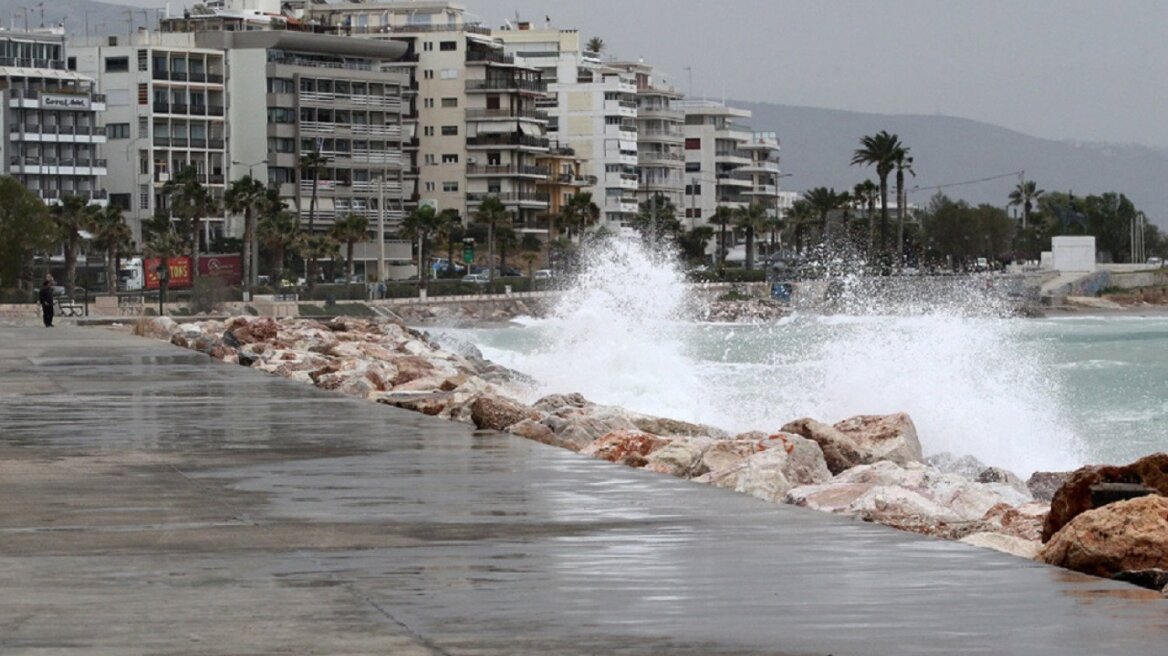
x: 867, y: 467
x: 1112, y: 521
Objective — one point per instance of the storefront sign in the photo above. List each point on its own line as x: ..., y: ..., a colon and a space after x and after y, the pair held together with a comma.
x: 50, y: 101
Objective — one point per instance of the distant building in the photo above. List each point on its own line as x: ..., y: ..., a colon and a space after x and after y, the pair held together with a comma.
x: 50, y: 122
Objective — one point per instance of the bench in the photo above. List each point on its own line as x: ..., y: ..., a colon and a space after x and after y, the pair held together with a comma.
x: 67, y: 307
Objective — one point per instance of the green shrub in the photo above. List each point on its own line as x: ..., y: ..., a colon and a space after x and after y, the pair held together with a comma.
x: 16, y: 296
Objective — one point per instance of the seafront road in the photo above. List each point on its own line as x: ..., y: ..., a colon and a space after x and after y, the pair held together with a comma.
x: 153, y: 501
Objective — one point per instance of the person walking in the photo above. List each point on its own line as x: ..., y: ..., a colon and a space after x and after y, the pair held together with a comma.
x: 45, y: 297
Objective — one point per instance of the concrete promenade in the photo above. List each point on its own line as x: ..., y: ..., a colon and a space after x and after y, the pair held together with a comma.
x: 156, y: 502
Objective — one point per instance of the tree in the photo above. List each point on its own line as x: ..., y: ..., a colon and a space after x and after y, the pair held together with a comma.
x: 312, y: 164
x: 491, y: 213
x: 693, y: 243
x: 579, y: 213
x: 722, y: 217
x: 801, y: 215
x: 348, y: 231
x: 823, y: 202
x: 25, y: 229
x: 190, y: 202
x: 72, y: 216
x: 956, y: 231
x: 420, y: 225
x: 751, y: 220
x: 279, y: 230
x: 865, y: 194
x: 163, y: 243
x: 112, y: 236
x: 595, y: 44
x: 454, y: 236
x: 880, y: 150
x: 529, y: 248
x: 245, y: 196
x: 315, y: 248
x: 656, y: 220
x: 1025, y: 195
x: 903, y: 165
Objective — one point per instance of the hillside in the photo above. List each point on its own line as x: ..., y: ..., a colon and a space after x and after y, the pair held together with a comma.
x: 817, y: 145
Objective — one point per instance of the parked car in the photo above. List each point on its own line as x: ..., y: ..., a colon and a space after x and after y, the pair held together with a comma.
x: 544, y: 274
x: 1156, y: 261
x: 476, y: 278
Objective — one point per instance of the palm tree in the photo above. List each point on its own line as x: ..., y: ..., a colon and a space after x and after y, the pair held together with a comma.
x: 421, y: 224
x: 595, y: 44
x: 752, y: 220
x: 723, y: 216
x: 72, y: 216
x: 865, y: 193
x: 279, y: 230
x: 315, y: 248
x: 313, y: 164
x: 349, y: 231
x: 823, y: 201
x: 163, y: 243
x: 190, y: 201
x: 880, y: 150
x: 1026, y: 194
x: 529, y: 247
x: 506, y: 239
x: 903, y: 164
x: 579, y: 213
x: 491, y: 212
x: 112, y: 235
x: 246, y: 195
x: 801, y: 214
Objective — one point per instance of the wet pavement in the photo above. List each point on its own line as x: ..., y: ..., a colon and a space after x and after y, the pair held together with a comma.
x: 156, y: 502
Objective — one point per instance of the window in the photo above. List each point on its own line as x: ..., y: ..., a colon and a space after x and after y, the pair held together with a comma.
x: 71, y: 63
x: 143, y: 127
x: 117, y: 131
x: 693, y: 167
x: 143, y: 94
x: 281, y: 85
x: 121, y: 201
x: 428, y: 159
x: 448, y: 46
x: 117, y: 64
x: 693, y: 143
x: 450, y: 186
x: 450, y: 102
x: 449, y: 130
x: 143, y: 197
x: 429, y: 186
x: 449, y: 74
x: 143, y: 60
x: 428, y: 131
x: 428, y: 74
x: 428, y: 46
x: 693, y: 190
x: 450, y: 158
x: 427, y: 103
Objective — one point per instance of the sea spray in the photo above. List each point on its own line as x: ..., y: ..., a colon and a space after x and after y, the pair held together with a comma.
x: 936, y: 348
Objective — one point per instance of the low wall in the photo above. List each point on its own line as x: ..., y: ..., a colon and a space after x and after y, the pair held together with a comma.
x: 1137, y: 279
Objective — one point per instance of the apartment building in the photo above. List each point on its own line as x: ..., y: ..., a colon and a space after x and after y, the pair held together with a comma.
x: 479, y: 127
x: 660, y: 137
x: 235, y: 93
x: 592, y: 109
x: 50, y: 121
x: 726, y: 163
x: 167, y: 111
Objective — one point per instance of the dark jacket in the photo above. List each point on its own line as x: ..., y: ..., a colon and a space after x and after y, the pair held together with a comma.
x: 45, y: 296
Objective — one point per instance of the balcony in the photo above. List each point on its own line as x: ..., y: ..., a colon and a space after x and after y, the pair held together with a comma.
x: 513, y: 140
x: 161, y: 107
x: 510, y: 197
x: 507, y: 170
x: 54, y: 166
x: 515, y: 85
x: 505, y: 114
x: 488, y: 56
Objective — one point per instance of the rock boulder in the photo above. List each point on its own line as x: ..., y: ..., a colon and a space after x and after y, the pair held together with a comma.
x: 1074, y: 497
x: 1121, y: 536
x: 883, y: 437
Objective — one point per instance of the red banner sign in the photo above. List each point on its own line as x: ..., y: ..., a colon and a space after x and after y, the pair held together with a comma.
x: 180, y: 271
x: 229, y: 267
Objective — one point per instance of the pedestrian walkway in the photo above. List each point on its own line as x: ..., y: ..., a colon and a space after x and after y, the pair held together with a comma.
x: 156, y: 502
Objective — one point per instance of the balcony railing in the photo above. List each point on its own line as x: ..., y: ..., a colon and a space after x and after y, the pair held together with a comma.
x: 506, y: 85
x: 480, y: 114
x: 507, y: 169
x: 479, y: 56
x: 509, y: 197
x: 84, y: 194
x: 514, y: 139
x: 18, y: 160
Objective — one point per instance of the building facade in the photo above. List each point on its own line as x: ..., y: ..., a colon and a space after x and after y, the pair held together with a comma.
x: 51, y: 119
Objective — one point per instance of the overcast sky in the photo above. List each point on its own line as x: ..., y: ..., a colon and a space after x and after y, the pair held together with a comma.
x: 1062, y: 69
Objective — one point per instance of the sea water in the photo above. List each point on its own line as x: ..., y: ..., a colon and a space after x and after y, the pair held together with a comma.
x: 1025, y: 394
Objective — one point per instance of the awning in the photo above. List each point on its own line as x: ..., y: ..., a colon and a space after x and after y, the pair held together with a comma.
x: 627, y: 145
x: 530, y: 129
x: 495, y: 128
x: 50, y: 73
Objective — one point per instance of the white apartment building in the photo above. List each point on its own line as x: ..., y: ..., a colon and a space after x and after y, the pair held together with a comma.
x: 660, y: 136
x: 50, y: 121
x: 726, y: 163
x: 233, y: 96
x: 593, y: 110
x: 167, y: 105
x: 479, y: 127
